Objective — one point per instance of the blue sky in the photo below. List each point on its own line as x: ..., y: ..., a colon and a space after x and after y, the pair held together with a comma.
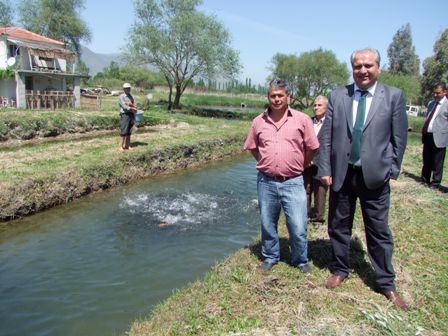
x: 261, y: 28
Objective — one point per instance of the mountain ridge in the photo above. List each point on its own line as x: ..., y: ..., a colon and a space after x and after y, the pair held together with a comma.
x: 96, y: 62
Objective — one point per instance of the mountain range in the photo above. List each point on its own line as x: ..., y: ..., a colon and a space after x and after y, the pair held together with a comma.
x: 97, y: 62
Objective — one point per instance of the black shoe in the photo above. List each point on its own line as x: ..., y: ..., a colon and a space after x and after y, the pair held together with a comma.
x: 266, y: 265
x: 433, y: 186
x: 305, y: 268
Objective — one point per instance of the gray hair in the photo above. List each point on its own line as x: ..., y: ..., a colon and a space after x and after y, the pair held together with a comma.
x: 325, y: 99
x: 372, y: 50
x: 278, y: 83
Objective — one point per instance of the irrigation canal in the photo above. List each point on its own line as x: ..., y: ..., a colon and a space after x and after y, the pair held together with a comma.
x: 94, y: 266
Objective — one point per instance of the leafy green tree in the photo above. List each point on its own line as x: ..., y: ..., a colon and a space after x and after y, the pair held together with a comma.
x: 436, y: 66
x: 182, y: 43
x: 402, y: 57
x: 141, y: 76
x: 409, y: 84
x: 57, y: 19
x: 311, y: 74
x: 286, y: 67
x: 6, y: 13
x: 112, y: 71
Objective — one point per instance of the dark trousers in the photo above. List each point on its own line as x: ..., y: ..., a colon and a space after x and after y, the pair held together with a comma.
x: 375, y: 213
x: 433, y: 158
x: 314, y: 187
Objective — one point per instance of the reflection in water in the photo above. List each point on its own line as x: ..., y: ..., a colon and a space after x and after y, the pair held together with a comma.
x: 96, y: 265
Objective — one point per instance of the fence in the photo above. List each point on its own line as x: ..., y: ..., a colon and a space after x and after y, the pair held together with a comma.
x: 91, y: 102
x: 49, y: 100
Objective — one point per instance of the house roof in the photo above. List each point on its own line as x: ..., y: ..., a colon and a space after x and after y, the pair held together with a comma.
x: 21, y: 33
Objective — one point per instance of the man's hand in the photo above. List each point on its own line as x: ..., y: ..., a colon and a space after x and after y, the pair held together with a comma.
x: 326, y: 180
x: 133, y: 108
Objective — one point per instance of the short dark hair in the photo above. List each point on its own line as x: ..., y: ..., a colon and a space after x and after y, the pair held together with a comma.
x: 440, y: 84
x: 279, y: 84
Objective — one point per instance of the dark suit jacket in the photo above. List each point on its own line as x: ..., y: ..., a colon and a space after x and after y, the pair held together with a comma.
x: 383, y: 140
x: 316, y: 153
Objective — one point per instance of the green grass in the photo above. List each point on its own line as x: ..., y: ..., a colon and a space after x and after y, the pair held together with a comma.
x: 236, y: 298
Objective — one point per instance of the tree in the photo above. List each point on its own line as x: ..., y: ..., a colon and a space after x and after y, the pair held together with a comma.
x: 6, y: 13
x: 409, y: 84
x: 57, y: 19
x: 402, y: 57
x: 435, y: 68
x: 182, y: 43
x: 311, y: 74
x: 112, y: 71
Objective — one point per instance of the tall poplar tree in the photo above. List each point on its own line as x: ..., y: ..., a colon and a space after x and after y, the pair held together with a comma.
x: 435, y: 68
x: 57, y: 19
x: 401, y: 52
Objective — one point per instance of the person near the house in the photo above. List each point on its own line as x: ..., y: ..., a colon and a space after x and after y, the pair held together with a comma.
x: 128, y: 109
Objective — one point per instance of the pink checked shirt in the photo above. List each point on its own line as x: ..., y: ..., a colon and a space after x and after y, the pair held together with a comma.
x: 282, y: 147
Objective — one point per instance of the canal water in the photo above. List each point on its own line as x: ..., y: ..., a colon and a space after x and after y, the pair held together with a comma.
x: 94, y: 266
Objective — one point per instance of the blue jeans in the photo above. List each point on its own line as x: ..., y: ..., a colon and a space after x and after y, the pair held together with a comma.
x: 289, y: 195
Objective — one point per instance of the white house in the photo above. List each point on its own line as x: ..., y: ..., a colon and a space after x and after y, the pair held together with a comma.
x: 40, y: 70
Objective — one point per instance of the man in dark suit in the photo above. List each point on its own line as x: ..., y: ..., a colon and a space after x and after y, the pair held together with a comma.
x: 362, y: 145
x: 313, y: 185
x: 435, y: 137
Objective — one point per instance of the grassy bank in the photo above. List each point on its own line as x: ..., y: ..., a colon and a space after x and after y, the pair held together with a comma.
x: 38, y: 174
x: 22, y: 125
x: 235, y: 298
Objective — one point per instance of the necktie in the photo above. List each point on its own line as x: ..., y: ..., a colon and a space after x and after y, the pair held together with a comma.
x: 429, y: 118
x: 357, y: 129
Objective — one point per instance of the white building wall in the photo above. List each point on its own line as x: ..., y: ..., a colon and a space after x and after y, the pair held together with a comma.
x: 3, y: 54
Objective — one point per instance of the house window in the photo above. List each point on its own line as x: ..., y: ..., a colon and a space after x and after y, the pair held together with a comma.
x: 13, y: 50
x: 45, y: 63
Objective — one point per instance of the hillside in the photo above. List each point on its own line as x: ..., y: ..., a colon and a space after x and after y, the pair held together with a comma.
x: 97, y: 62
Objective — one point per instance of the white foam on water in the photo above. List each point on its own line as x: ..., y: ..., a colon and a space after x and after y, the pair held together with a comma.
x: 173, y: 209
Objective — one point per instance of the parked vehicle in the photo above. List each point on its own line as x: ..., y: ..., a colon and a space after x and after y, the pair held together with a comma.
x: 413, y: 110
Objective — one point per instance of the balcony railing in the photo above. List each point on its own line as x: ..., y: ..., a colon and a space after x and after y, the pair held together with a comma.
x: 36, y: 100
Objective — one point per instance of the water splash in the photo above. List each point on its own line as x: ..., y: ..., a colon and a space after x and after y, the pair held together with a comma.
x: 183, y: 210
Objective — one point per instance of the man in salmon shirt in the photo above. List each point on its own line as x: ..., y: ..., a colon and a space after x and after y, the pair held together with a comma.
x: 283, y: 142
